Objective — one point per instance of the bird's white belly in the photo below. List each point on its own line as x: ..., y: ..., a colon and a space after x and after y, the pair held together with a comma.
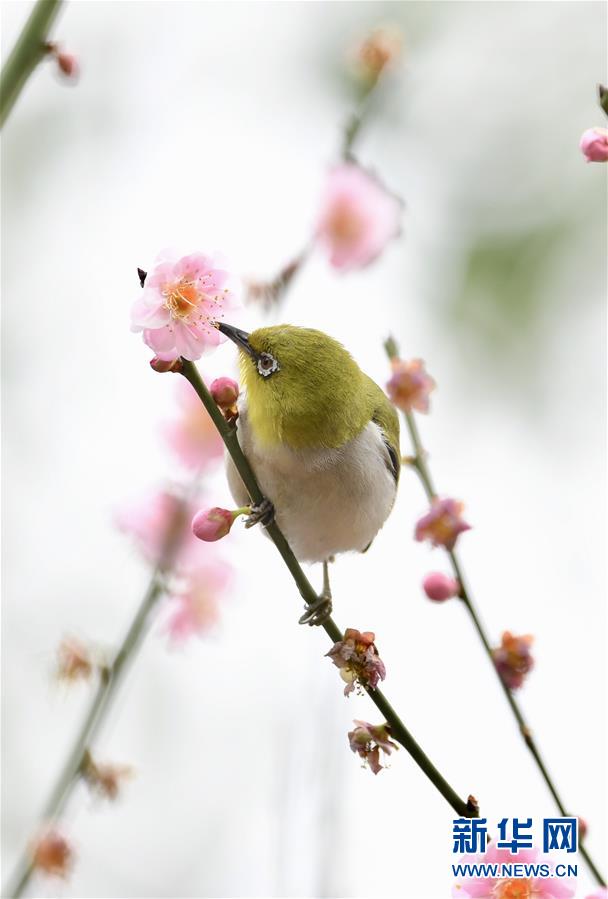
x: 326, y: 501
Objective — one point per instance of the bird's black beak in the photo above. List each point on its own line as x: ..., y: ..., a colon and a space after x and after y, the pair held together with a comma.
x: 241, y: 338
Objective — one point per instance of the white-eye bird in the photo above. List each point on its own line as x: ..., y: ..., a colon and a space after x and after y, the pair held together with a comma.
x: 322, y: 439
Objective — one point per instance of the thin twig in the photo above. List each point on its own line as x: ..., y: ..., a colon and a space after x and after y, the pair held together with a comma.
x: 421, y: 465
x: 398, y: 730
x: 109, y: 680
x: 26, y: 54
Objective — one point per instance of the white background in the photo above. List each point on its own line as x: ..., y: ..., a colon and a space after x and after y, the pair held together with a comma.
x: 210, y: 126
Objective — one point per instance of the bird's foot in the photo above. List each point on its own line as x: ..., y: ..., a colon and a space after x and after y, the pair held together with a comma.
x: 317, y: 612
x: 262, y: 513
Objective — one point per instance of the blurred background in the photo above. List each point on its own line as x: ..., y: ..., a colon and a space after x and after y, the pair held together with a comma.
x: 210, y: 126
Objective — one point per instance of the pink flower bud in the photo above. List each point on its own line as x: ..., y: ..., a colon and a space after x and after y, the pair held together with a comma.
x: 68, y: 65
x: 594, y: 144
x: 213, y: 524
x: 162, y: 365
x: 440, y: 587
x: 225, y: 392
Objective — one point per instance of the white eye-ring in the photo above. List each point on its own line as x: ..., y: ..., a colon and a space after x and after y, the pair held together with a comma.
x: 267, y: 365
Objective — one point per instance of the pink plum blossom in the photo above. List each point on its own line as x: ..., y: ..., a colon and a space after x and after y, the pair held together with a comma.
x: 442, y: 524
x: 368, y: 739
x: 194, y: 610
x: 594, y: 144
x: 74, y: 661
x: 52, y: 854
x: 160, y: 522
x: 513, y: 659
x: 440, y: 587
x: 105, y: 779
x: 192, y: 436
x: 210, y: 525
x: 410, y: 385
x: 180, y: 301
x: 601, y: 893
x: 358, y: 217
x: 515, y: 888
x: 357, y: 658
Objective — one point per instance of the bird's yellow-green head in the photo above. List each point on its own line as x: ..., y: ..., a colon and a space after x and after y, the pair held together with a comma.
x: 304, y: 389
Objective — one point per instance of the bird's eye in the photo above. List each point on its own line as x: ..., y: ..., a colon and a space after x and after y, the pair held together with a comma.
x: 267, y: 364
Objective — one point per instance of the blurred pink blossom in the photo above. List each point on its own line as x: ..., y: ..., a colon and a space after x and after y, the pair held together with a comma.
x: 192, y: 436
x: 194, y: 610
x: 517, y: 888
x: 442, y: 524
x: 513, y: 659
x: 158, y: 522
x: 358, y: 217
x: 74, y: 661
x: 410, y: 385
x: 179, y: 302
x: 601, y: 893
x: 594, y: 144
x: 440, y: 587
x: 52, y: 854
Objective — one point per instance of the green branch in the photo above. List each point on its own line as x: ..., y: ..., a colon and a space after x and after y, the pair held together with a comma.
x: 26, y: 54
x: 398, y: 729
x: 419, y: 462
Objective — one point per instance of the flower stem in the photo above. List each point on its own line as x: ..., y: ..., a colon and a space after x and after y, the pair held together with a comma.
x: 398, y: 729
x: 109, y: 680
x: 26, y: 54
x: 422, y: 468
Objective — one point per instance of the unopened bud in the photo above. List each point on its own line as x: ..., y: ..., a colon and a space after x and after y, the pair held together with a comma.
x: 68, y: 65
x: 162, y: 365
x: 225, y: 392
x: 594, y: 144
x: 440, y: 587
x: 214, y: 524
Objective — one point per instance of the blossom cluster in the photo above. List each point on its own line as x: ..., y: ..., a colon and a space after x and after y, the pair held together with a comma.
x: 357, y: 658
